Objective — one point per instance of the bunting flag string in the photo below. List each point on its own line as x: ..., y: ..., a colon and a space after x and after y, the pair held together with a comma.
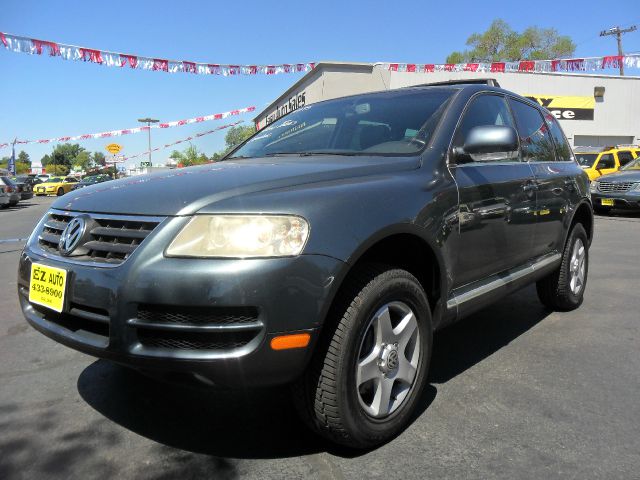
x: 587, y: 64
x: 188, y: 139
x: 32, y: 46
x: 129, y: 131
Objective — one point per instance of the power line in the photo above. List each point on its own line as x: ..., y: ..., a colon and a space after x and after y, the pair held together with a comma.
x: 618, y: 32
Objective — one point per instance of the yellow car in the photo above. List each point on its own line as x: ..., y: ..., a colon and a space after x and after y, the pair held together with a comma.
x: 597, y: 161
x: 55, y: 186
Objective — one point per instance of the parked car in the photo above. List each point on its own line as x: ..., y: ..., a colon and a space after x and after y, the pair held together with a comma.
x: 10, y: 193
x: 618, y: 190
x: 24, y: 185
x: 602, y: 161
x: 56, y: 186
x: 91, y: 180
x: 28, y: 179
x: 44, y: 177
x: 323, y: 252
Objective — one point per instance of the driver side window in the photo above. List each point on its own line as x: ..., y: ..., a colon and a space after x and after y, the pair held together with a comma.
x: 606, y: 161
x: 483, y: 110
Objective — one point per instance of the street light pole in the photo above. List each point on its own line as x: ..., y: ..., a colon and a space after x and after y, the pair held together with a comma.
x: 149, y: 121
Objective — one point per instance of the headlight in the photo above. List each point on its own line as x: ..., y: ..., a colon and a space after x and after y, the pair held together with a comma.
x: 241, y: 236
x: 593, y: 187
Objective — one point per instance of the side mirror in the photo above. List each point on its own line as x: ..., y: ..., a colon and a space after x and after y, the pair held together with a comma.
x: 489, y: 143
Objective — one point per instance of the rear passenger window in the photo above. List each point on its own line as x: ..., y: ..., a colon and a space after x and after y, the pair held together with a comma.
x: 483, y: 110
x: 563, y: 150
x: 624, y: 157
x: 606, y: 161
x: 535, y: 138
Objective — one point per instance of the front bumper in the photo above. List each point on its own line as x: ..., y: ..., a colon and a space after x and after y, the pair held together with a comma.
x: 622, y: 200
x: 106, y: 313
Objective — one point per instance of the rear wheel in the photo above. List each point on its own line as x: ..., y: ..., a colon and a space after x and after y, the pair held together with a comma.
x: 367, y: 375
x: 564, y: 288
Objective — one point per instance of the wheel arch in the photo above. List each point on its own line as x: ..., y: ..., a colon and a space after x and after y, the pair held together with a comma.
x: 582, y: 214
x: 408, y: 247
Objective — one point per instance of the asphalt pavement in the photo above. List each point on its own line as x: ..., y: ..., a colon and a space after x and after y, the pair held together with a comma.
x: 515, y: 392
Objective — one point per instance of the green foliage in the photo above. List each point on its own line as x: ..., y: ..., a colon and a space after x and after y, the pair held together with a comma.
x: 57, y: 169
x: 83, y: 160
x: 189, y: 156
x: 21, y: 167
x: 98, y: 159
x: 501, y: 43
x: 23, y: 157
x: 238, y: 134
x: 63, y: 154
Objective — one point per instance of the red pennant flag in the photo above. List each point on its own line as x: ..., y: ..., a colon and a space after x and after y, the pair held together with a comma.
x: 527, y: 66
x: 575, y: 64
x: 160, y: 65
x: 498, y: 67
x: 4, y: 40
x: 88, y: 54
x: 271, y: 70
x: 449, y: 67
x: 411, y: 67
x: 612, y: 61
x: 253, y: 69
x: 393, y: 67
x: 163, y: 125
x: 471, y: 67
x: 132, y: 60
x: 429, y: 68
x: 214, y: 68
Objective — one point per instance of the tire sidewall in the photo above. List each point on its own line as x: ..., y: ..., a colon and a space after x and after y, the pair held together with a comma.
x: 405, y: 289
x: 578, y: 232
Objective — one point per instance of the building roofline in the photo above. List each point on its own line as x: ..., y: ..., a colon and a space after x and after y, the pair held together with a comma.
x: 366, y: 66
x: 317, y: 70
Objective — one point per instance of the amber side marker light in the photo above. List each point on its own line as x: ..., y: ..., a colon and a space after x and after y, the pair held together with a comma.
x: 285, y: 342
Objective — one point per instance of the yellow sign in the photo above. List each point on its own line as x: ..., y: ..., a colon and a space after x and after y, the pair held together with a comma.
x: 47, y: 286
x: 566, y: 107
x: 113, y: 148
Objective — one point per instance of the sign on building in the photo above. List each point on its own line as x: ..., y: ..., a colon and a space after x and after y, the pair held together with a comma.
x: 566, y: 108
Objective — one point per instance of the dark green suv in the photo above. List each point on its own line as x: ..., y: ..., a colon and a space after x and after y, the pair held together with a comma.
x: 323, y: 252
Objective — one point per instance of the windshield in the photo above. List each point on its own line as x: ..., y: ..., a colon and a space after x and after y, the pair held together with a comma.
x: 634, y: 165
x: 91, y: 179
x: 586, y: 159
x: 55, y: 180
x: 394, y: 123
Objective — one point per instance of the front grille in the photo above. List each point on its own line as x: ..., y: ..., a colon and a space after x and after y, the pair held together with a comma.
x: 194, y: 341
x: 197, y: 315
x: 611, y: 187
x: 112, y: 238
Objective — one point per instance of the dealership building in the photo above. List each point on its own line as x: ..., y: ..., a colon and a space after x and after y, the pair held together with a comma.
x: 594, y: 110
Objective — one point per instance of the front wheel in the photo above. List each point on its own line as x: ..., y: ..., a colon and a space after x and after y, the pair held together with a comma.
x: 60, y: 191
x: 564, y: 288
x: 370, y: 369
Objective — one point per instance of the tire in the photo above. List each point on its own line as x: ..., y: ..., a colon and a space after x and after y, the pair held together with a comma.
x: 60, y: 192
x: 602, y: 210
x: 328, y: 396
x: 557, y: 290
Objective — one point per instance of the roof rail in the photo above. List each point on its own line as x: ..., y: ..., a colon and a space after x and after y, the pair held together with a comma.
x: 492, y: 82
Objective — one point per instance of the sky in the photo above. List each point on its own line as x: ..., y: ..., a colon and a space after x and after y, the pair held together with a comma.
x: 44, y: 97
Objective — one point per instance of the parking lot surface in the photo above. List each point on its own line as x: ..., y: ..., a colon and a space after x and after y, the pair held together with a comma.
x: 515, y: 392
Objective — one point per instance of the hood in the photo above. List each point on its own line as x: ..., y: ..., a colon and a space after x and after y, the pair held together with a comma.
x: 621, y: 176
x: 186, y: 190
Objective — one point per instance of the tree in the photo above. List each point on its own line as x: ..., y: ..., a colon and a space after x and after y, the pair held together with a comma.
x: 501, y: 43
x: 189, y: 156
x: 83, y: 160
x: 23, y: 157
x: 64, y: 154
x: 98, y: 158
x: 238, y: 134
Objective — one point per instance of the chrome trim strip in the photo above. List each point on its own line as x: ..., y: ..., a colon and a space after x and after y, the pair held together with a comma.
x: 211, y: 328
x: 108, y: 216
x: 502, y: 280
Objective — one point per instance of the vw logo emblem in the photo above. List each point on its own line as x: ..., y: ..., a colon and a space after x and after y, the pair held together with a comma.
x: 71, y: 235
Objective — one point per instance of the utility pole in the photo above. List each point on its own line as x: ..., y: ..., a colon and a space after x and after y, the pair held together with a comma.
x: 617, y: 31
x: 149, y: 121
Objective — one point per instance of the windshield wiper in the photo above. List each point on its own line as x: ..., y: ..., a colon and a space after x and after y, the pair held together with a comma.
x: 308, y: 154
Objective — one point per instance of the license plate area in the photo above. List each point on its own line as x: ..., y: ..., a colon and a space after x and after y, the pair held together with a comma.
x: 609, y: 202
x: 47, y: 286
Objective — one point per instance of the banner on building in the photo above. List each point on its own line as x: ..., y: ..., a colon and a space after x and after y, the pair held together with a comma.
x: 566, y: 107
